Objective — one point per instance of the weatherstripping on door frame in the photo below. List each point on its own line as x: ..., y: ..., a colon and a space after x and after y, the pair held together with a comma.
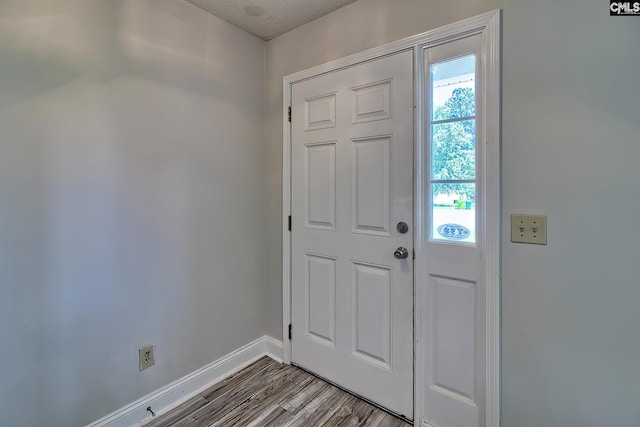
x: 488, y: 26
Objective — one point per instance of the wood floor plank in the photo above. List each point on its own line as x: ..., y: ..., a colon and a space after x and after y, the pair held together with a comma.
x: 179, y: 412
x: 343, y: 412
x: 268, y: 416
x: 298, y: 389
x: 280, y: 421
x: 240, y: 376
x: 220, y: 405
x: 323, y: 398
x: 377, y: 418
x: 389, y: 420
x: 291, y: 419
x: 359, y: 413
x: 270, y: 394
x: 262, y: 400
x: 323, y: 410
x: 303, y: 398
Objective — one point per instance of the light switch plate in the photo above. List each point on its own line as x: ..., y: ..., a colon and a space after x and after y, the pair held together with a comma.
x: 529, y: 229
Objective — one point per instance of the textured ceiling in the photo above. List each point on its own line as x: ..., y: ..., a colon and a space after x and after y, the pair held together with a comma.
x: 269, y: 18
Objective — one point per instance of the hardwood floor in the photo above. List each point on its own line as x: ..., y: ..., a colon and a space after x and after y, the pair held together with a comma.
x: 270, y: 394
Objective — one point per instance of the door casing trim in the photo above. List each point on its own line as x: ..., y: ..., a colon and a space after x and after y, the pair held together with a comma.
x: 488, y: 25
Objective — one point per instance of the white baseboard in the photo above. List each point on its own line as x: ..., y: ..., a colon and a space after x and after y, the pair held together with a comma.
x: 273, y: 348
x: 172, y: 395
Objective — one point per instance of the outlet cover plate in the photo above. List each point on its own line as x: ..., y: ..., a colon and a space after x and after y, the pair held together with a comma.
x: 145, y: 357
x: 529, y: 229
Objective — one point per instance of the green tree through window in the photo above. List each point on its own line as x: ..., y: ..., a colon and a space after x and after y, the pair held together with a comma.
x: 453, y: 144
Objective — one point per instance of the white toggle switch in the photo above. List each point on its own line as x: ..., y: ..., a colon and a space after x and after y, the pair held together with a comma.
x: 529, y: 229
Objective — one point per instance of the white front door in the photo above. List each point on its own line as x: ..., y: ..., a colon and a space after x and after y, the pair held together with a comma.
x: 352, y: 184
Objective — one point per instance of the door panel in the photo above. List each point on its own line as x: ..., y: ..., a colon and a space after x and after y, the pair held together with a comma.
x: 352, y: 182
x: 320, y: 112
x: 320, y: 178
x: 371, y: 180
x: 372, y: 102
x: 454, y: 308
x: 321, y: 303
x: 372, y: 314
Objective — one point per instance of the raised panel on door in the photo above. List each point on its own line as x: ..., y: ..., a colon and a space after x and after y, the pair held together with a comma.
x: 372, y: 314
x: 320, y: 179
x: 453, y: 311
x: 371, y: 185
x: 371, y: 102
x: 321, y: 299
x: 320, y: 112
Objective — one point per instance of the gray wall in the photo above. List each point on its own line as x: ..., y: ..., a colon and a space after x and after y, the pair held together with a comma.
x: 132, y: 201
x: 570, y: 150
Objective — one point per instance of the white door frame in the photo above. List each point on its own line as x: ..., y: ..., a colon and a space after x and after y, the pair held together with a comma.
x: 488, y: 25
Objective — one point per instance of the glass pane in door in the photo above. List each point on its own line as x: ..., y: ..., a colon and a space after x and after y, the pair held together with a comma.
x: 453, y: 88
x: 453, y: 212
x: 453, y: 150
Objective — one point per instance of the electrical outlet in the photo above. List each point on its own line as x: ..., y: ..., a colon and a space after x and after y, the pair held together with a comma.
x: 529, y: 229
x: 146, y: 358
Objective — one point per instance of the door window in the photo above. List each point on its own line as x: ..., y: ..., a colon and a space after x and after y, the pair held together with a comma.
x: 453, y: 149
